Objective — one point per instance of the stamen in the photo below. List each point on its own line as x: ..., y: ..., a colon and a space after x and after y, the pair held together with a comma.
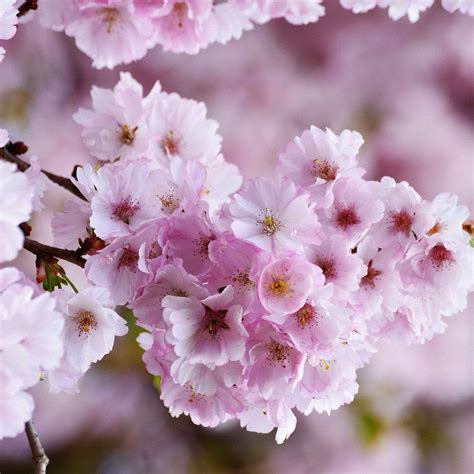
x: 324, y: 170
x: 440, y: 256
x: 371, y: 276
x: 401, y: 222
x: 86, y: 322
x: 202, y: 244
x: 109, y: 18
x: 347, y: 217
x: 277, y: 352
x: 128, y: 259
x: 270, y: 225
x: 242, y: 279
x: 306, y: 315
x: 127, y: 135
x: 328, y: 268
x: 169, y: 203
x: 126, y: 209
x: 179, y: 11
x: 435, y: 229
x: 170, y: 144
x: 214, y: 321
x: 280, y: 286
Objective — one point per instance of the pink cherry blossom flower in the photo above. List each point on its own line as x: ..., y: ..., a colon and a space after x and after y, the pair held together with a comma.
x: 406, y: 215
x: 122, y: 267
x: 314, y: 328
x: 297, y: 12
x: 16, y: 408
x: 205, y: 410
x: 64, y: 378
x: 179, y: 127
x: 223, y: 179
x: 275, y: 366
x: 16, y: 204
x: 270, y: 214
x: 190, y: 239
x: 70, y: 224
x: 116, y: 127
x: 8, y: 22
x: 170, y: 280
x: 237, y: 263
x: 38, y: 181
x: 158, y: 355
x: 91, y: 326
x: 464, y: 6
x: 30, y: 342
x: 111, y: 32
x: 317, y: 159
x: 206, y: 379
x: 411, y: 8
x: 180, y: 25
x: 354, y: 209
x: 180, y: 188
x: 121, y: 203
x: 380, y: 286
x: 208, y: 331
x: 359, y: 6
x: 262, y: 416
x: 286, y: 283
x: 341, y: 268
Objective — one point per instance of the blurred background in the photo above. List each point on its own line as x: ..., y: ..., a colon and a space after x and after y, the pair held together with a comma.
x: 409, y: 89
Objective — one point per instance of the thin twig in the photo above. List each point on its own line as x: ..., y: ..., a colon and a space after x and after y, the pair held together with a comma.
x: 63, y: 254
x: 39, y: 456
x: 22, y: 165
x: 27, y: 6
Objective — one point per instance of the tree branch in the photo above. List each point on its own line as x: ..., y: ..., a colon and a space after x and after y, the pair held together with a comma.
x: 63, y: 254
x: 26, y: 6
x: 39, y: 456
x: 22, y: 165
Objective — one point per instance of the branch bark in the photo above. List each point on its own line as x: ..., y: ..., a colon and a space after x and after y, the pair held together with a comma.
x: 63, y: 254
x: 22, y: 165
x: 39, y: 456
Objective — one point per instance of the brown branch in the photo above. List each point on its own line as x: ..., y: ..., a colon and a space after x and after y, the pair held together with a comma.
x: 26, y: 6
x: 63, y: 254
x: 22, y: 165
x: 39, y: 456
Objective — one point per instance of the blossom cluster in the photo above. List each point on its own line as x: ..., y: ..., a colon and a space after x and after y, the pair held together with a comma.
x: 262, y: 299
x: 116, y: 32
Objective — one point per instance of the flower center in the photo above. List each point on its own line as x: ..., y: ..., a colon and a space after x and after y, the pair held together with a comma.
x: 306, y: 315
x: 128, y: 259
x: 179, y: 11
x: 440, y: 256
x: 347, y: 217
x: 435, y: 229
x: 280, y: 287
x: 127, y: 135
x: 109, y: 18
x: 170, y: 144
x: 214, y: 321
x: 242, y: 279
x: 126, y: 209
x: 401, y: 222
x: 202, y: 244
x: 86, y: 322
x: 277, y: 352
x: 324, y: 170
x: 328, y: 268
x: 371, y: 276
x: 169, y: 203
x: 270, y: 225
